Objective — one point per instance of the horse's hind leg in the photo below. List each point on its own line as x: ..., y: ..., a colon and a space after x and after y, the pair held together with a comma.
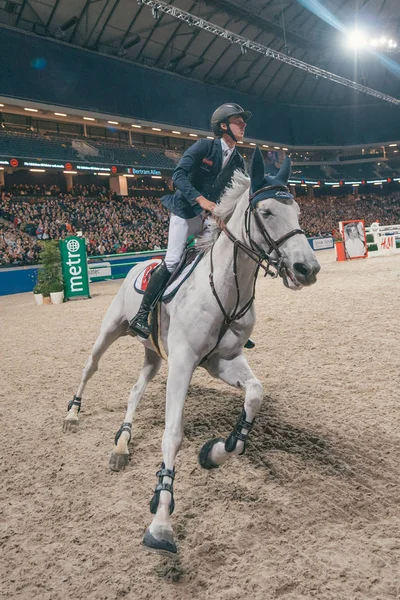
x: 119, y: 458
x: 235, y: 372
x: 109, y: 333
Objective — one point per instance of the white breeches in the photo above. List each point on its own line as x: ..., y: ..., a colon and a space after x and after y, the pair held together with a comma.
x: 179, y: 231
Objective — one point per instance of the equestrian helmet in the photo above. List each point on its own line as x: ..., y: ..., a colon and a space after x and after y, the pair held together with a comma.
x: 222, y: 114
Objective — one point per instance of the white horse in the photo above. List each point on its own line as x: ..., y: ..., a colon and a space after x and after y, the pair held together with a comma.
x: 207, y: 324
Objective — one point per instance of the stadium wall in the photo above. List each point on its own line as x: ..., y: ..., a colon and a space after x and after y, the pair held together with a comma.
x: 47, y: 71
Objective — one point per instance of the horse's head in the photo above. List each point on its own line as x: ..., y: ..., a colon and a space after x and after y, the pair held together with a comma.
x: 273, y: 225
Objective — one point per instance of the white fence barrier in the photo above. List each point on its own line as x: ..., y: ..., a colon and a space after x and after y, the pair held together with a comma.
x: 385, y: 237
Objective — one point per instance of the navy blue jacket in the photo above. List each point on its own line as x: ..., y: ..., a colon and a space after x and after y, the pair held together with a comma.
x: 199, y: 173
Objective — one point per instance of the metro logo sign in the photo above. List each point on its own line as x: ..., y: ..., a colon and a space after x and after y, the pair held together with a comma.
x: 74, y: 267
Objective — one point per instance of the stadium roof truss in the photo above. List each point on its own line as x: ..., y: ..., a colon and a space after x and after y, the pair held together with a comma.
x: 289, y: 51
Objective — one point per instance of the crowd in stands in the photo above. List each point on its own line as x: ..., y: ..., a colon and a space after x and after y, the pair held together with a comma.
x: 109, y: 223
x: 320, y: 216
x: 112, y: 224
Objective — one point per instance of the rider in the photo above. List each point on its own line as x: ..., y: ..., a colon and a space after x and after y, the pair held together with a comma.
x: 201, y: 176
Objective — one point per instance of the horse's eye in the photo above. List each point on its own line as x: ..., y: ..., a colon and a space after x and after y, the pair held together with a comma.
x: 266, y: 213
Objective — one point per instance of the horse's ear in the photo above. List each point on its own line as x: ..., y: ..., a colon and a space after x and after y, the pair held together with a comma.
x: 284, y: 171
x: 257, y: 170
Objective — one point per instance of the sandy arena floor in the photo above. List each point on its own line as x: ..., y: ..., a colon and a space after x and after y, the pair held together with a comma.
x: 311, y: 511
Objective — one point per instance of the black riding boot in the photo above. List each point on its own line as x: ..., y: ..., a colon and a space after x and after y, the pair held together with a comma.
x: 155, y: 287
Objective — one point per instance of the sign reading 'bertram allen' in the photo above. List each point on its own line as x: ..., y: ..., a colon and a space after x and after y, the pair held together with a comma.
x: 74, y: 267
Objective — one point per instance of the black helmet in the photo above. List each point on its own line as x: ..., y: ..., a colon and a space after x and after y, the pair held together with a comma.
x: 222, y: 114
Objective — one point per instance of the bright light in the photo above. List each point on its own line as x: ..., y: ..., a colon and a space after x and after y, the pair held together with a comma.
x: 31, y: 109
x: 156, y: 129
x: 88, y: 119
x: 72, y: 172
x: 286, y: 149
x: 38, y: 170
x: 137, y: 126
x: 238, y: 142
x: 156, y: 177
x: 356, y: 39
x: 177, y: 132
x: 128, y: 175
x: 60, y: 114
x: 277, y: 147
x: 391, y: 145
x: 193, y: 134
x: 103, y: 174
x: 113, y: 122
x: 265, y: 146
x: 1, y: 104
x: 210, y: 137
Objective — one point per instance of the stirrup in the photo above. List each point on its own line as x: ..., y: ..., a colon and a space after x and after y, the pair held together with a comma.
x: 140, y: 326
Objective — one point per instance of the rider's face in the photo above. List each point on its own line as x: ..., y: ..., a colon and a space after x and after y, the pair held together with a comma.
x: 238, y: 126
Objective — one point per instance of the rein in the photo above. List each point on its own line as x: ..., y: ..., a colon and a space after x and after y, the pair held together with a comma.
x: 256, y: 254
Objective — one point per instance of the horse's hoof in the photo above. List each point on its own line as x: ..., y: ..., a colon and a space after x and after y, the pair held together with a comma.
x: 205, y: 452
x: 118, y: 461
x: 70, y: 425
x: 163, y: 546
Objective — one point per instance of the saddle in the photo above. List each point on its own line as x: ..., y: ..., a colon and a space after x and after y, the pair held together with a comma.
x: 185, y: 268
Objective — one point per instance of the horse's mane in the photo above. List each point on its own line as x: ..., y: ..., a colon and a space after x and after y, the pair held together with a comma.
x: 240, y: 183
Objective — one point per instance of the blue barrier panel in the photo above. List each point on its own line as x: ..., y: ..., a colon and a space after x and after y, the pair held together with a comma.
x: 17, y: 280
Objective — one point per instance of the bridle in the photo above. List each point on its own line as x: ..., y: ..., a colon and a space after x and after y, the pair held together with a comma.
x: 278, y: 261
x: 258, y: 255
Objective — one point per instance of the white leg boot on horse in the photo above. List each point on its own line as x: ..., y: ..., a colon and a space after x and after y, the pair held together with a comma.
x: 120, y: 457
x: 235, y: 372
x: 159, y: 537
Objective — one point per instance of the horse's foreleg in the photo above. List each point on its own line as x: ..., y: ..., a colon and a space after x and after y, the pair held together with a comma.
x: 159, y: 536
x: 119, y: 458
x: 237, y: 373
x: 109, y: 333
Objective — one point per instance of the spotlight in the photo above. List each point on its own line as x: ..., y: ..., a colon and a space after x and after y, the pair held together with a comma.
x: 154, y: 12
x: 243, y: 50
x: 356, y: 39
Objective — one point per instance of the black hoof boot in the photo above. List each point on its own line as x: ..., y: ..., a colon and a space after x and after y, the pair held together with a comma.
x: 249, y: 344
x: 204, y: 453
x: 165, y: 546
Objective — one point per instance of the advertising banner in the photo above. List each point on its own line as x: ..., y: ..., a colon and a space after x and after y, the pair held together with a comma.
x: 74, y: 267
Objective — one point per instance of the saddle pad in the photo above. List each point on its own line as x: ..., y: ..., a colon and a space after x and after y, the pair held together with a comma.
x: 141, y: 281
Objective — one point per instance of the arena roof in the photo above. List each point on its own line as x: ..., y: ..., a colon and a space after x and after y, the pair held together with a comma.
x: 307, y: 30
